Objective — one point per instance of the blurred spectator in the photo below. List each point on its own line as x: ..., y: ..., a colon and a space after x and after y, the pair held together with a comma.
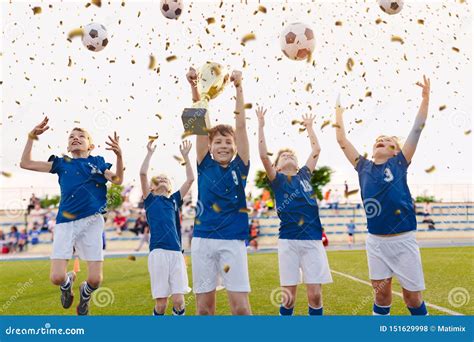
x: 144, y: 237
x: 324, y: 238
x: 3, y: 243
x: 34, y: 235
x: 36, y: 217
x: 32, y: 203
x: 254, y: 232
x: 22, y: 240
x: 120, y: 222
x: 427, y: 216
x: 13, y: 238
x: 140, y: 224
x: 350, y: 233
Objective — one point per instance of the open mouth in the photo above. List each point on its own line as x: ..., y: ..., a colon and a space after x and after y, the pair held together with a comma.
x: 379, y: 145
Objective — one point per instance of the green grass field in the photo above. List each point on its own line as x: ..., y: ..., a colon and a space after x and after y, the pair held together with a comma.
x: 25, y: 288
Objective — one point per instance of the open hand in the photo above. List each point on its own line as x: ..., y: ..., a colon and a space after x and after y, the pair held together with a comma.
x: 308, y: 120
x: 426, y: 85
x: 40, y: 128
x: 150, y: 148
x: 114, y: 145
x: 185, y: 147
x: 261, y: 116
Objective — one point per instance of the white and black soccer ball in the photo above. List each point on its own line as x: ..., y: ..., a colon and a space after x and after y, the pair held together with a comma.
x: 171, y: 9
x: 95, y: 37
x: 297, y: 41
x: 391, y: 6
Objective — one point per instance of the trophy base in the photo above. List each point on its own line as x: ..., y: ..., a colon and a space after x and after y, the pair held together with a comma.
x: 195, y: 121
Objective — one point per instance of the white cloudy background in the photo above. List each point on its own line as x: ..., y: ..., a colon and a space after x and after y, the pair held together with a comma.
x: 125, y: 96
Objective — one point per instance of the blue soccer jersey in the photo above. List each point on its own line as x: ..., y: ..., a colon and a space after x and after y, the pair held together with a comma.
x: 83, y: 186
x: 296, y: 206
x: 162, y: 214
x: 387, y: 200
x: 222, y: 208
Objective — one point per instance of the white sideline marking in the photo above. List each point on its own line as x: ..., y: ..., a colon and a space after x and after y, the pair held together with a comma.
x: 434, y: 306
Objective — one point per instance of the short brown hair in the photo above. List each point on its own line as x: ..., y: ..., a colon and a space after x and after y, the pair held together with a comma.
x: 224, y: 130
x: 82, y: 130
x: 283, y: 150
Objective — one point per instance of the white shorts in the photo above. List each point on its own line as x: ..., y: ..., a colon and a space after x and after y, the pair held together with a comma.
x: 213, y: 259
x: 168, y: 273
x: 84, y: 235
x: 396, y: 255
x: 309, y: 255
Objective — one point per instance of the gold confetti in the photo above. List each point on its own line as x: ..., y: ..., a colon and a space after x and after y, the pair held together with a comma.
x: 69, y: 63
x: 352, y: 192
x: 248, y: 106
x: 179, y: 159
x: 262, y: 9
x: 397, y: 39
x: 308, y: 87
x: 68, y: 215
x: 98, y: 3
x: 152, y: 137
x: 210, y: 21
x: 430, y: 169
x: 248, y: 37
x: 115, y: 178
x: 441, y: 108
x: 36, y: 10
x: 186, y: 134
x: 32, y: 136
x: 226, y: 268
x: 455, y: 49
x: 216, y: 208
x: 294, y: 122
x: 421, y: 21
x: 325, y: 123
x: 349, y: 64
x: 158, y: 116
x: 131, y: 258
x: 301, y: 222
x: 378, y: 20
x: 398, y: 212
x: 152, y: 63
x: 338, y: 23
x: 358, y: 121
x: 302, y: 129
x: 335, y: 126
x: 6, y: 174
x: 78, y: 32
x: 467, y: 132
x: 269, y: 154
x: 244, y: 210
x: 171, y: 58
x: 368, y: 94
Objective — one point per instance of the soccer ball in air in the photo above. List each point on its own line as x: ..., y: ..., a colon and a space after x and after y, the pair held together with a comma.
x: 297, y: 41
x: 95, y: 37
x: 391, y: 6
x: 171, y: 9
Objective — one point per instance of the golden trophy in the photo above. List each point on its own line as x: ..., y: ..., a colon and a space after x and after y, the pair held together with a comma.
x: 211, y: 81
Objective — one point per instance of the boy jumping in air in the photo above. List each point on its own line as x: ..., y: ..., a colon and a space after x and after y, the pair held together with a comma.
x: 299, y: 243
x: 79, y: 223
x: 166, y: 261
x: 391, y: 245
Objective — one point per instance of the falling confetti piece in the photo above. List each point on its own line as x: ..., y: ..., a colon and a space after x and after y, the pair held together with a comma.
x: 98, y: 3
x: 132, y: 257
x: 325, y: 123
x: 269, y: 154
x: 467, y: 132
x: 186, y: 134
x: 158, y: 116
x: 455, y: 49
x: 244, y: 210
x: 368, y: 94
x: 301, y: 222
x: 216, y: 208
x: 262, y: 9
x: 152, y: 63
x: 302, y: 129
x: 6, y: 174
x: 78, y: 32
x: 397, y: 39
x: 115, y: 178
x: 248, y: 106
x: 308, y: 87
x: 295, y: 122
x: 338, y: 23
x: 68, y: 215
x: 152, y: 137
x: 179, y: 159
x: 248, y: 37
x: 226, y: 268
x: 431, y: 169
x: 32, y: 136
x: 441, y: 108
x: 421, y: 21
x: 171, y: 58
x: 398, y: 212
x: 69, y: 63
x: 36, y: 10
x: 358, y: 121
x: 352, y: 192
x: 349, y: 64
x: 210, y: 21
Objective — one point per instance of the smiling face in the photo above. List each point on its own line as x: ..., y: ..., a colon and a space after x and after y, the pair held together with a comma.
x: 385, y: 147
x: 160, y: 185
x: 79, y: 141
x: 222, y: 144
x: 286, y: 161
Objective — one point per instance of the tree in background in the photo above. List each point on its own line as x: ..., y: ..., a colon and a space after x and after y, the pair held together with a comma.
x: 425, y: 199
x: 319, y: 178
x: 114, y: 196
x: 46, y: 202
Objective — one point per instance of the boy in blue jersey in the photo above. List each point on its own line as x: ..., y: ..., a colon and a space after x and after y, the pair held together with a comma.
x: 391, y: 245
x: 166, y: 261
x: 299, y: 243
x: 79, y: 223
x: 221, y: 227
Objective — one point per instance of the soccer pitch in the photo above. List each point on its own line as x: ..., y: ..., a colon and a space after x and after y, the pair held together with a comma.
x: 25, y: 288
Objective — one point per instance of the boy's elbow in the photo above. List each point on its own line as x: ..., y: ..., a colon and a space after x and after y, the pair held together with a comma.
x: 24, y: 165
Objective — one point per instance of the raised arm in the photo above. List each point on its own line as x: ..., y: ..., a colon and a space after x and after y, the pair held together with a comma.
x: 26, y: 161
x: 262, y: 145
x: 117, y: 177
x: 144, y: 169
x: 349, y: 150
x: 241, y: 138
x: 313, y: 139
x: 184, y: 149
x: 202, y: 141
x: 412, y: 141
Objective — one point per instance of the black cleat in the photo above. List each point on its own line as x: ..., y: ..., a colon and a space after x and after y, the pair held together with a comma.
x: 67, y: 296
x: 83, y: 306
